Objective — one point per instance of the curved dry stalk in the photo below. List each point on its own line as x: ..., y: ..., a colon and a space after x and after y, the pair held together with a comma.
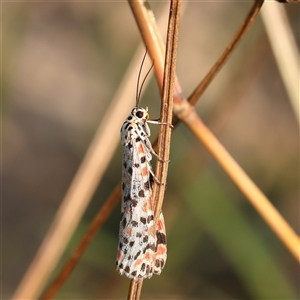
x: 82, y: 187
x: 285, y: 50
x: 242, y: 30
x: 94, y: 227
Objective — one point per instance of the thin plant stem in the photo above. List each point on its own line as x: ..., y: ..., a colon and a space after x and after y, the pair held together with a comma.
x: 166, y: 117
x: 242, y: 30
x: 134, y: 291
x: 285, y: 51
x: 98, y: 221
x: 164, y: 138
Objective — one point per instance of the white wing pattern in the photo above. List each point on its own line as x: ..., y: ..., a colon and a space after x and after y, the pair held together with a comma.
x: 142, y: 248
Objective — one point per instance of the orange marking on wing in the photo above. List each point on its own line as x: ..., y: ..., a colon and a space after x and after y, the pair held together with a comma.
x: 161, y: 250
x: 129, y: 231
x: 141, y: 149
x: 120, y: 256
x: 151, y: 231
x: 160, y: 225
x: 145, y: 171
x: 138, y: 262
x: 149, y: 204
x: 148, y: 256
x: 144, y: 207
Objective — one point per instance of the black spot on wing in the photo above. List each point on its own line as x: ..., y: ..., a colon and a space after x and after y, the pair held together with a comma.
x: 141, y: 194
x: 157, y: 263
x: 147, y: 185
x: 161, y: 238
x: 148, y: 270
x: 137, y: 255
x: 134, y: 223
x: 134, y: 202
x: 150, y: 218
x: 149, y: 246
x: 126, y: 198
x: 123, y: 223
x: 133, y: 273
x: 130, y: 170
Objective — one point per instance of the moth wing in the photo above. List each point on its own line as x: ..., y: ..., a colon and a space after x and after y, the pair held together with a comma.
x: 137, y: 238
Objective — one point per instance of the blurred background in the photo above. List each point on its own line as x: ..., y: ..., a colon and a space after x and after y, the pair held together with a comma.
x: 61, y: 65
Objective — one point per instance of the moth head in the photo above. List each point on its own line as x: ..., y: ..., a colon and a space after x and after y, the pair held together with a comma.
x: 140, y: 114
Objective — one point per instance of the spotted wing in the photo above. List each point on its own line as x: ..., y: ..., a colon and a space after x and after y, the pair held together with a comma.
x: 137, y: 239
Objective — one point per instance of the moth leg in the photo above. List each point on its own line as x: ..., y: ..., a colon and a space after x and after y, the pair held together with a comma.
x: 154, y: 178
x: 160, y: 123
x: 149, y: 146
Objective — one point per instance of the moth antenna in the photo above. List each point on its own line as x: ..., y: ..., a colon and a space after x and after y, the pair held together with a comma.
x: 145, y: 80
x: 138, y: 91
x: 138, y: 80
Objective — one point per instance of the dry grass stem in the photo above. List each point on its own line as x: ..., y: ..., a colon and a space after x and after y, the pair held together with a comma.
x: 135, y: 289
x: 244, y: 27
x: 285, y: 51
x: 94, y: 227
x: 145, y: 18
x: 164, y: 138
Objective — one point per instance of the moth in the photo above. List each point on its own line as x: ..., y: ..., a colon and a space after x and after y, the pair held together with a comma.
x: 142, y: 248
